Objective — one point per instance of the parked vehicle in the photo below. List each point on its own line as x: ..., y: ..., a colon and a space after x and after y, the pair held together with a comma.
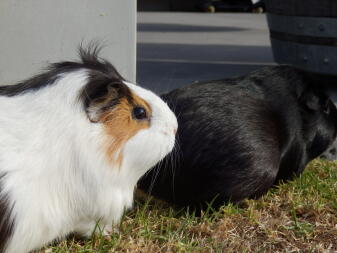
x: 212, y: 6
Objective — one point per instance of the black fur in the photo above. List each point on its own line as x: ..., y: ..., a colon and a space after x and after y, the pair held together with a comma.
x: 6, y: 227
x: 103, y: 83
x: 238, y: 137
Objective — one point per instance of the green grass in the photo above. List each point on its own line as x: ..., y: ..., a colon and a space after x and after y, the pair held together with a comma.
x: 297, y: 216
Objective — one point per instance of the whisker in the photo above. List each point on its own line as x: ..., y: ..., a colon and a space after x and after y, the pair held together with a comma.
x: 155, y: 175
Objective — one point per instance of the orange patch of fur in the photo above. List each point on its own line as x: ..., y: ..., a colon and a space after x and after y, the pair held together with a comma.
x: 121, y: 126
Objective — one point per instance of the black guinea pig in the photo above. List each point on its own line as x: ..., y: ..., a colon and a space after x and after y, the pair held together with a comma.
x: 238, y: 137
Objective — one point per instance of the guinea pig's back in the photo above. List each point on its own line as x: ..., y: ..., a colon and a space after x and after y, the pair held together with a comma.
x: 224, y: 130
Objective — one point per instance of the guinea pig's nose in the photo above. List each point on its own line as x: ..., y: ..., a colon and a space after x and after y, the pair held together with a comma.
x: 174, y: 131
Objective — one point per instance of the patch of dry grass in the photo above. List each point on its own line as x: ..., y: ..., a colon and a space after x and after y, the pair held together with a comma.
x: 299, y: 216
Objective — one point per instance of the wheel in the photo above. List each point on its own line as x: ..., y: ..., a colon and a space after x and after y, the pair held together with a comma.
x: 258, y: 10
x: 209, y: 8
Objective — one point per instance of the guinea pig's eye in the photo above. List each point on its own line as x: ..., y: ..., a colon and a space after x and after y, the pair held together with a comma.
x: 139, y: 113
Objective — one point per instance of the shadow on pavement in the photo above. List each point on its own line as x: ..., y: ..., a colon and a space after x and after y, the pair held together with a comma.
x: 144, y: 27
x: 163, y: 67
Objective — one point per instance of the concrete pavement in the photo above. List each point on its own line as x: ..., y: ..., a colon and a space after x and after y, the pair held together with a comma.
x: 175, y: 49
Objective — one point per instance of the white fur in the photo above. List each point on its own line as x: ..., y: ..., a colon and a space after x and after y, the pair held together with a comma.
x: 58, y: 177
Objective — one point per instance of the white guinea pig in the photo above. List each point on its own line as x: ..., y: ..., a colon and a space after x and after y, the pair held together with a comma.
x: 74, y: 142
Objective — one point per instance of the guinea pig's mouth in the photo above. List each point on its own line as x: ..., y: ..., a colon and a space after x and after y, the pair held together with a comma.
x: 167, y: 133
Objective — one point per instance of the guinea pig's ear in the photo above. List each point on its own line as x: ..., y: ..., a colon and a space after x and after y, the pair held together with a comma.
x: 313, y: 101
x: 310, y: 101
x: 102, y: 95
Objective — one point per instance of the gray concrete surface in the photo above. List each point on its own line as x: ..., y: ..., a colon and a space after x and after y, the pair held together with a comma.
x: 36, y: 32
x: 174, y: 49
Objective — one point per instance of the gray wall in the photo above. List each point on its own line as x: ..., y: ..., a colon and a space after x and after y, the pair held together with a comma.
x: 36, y: 32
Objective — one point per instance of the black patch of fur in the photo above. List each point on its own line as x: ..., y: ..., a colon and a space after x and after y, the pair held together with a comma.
x: 98, y: 87
x: 102, y: 79
x: 238, y: 137
x: 6, y: 227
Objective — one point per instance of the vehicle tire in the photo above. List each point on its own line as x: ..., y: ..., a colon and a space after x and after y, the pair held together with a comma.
x: 209, y: 8
x: 258, y: 10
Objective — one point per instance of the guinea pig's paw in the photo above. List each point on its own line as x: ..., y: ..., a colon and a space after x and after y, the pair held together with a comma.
x: 330, y: 154
x: 86, y: 229
x: 108, y: 230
